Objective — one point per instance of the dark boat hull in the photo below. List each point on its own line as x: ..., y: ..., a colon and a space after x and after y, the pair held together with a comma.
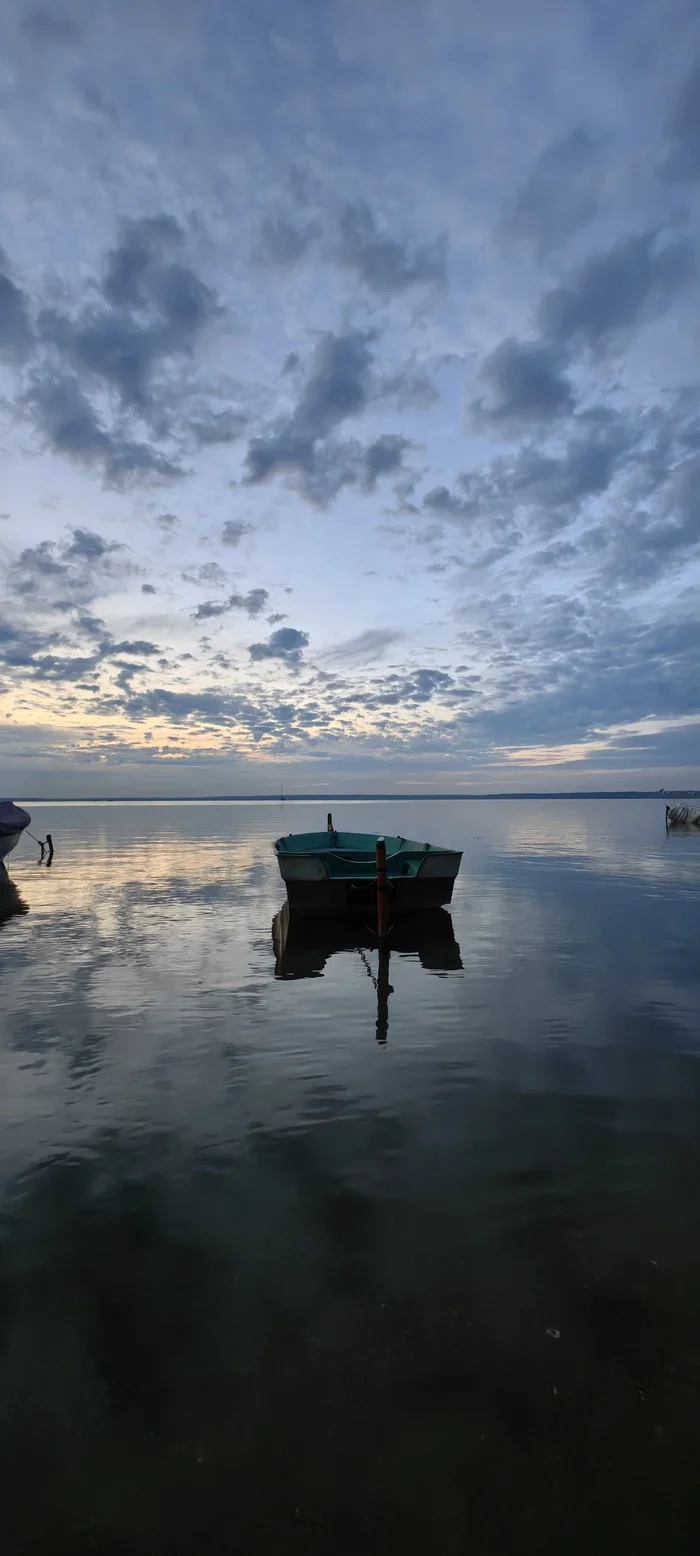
x: 360, y: 897
x: 336, y: 872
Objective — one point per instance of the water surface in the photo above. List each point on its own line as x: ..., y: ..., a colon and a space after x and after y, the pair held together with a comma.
x: 285, y: 1270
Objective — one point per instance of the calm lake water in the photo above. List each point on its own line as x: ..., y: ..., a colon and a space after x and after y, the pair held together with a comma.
x: 280, y: 1273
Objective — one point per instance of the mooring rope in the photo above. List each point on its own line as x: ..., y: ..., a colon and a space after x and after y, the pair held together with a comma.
x: 370, y: 974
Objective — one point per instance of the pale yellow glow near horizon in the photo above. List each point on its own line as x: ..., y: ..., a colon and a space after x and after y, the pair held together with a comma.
x: 81, y: 731
x: 381, y: 733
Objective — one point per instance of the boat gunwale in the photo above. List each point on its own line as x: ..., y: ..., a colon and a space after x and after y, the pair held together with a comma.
x: 409, y: 847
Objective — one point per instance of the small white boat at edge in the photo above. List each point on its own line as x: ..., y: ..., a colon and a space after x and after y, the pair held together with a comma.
x: 13, y: 822
x: 682, y: 816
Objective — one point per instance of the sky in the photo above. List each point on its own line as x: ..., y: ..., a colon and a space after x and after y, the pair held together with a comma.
x: 349, y: 396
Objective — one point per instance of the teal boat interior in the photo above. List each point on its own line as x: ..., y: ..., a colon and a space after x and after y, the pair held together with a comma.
x: 354, y: 854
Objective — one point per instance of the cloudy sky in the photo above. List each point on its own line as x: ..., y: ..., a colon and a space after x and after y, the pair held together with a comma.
x: 349, y: 395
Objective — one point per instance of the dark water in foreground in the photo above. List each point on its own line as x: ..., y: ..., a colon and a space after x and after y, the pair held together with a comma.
x: 270, y: 1285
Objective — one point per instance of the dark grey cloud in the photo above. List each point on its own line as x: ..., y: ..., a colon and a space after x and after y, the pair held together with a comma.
x: 144, y: 244
x: 597, y: 448
x: 67, y: 418
x: 656, y: 538
x: 111, y: 347
x: 127, y: 672
x: 546, y: 488
x: 441, y: 501
x: 16, y: 337
x: 19, y: 643
x: 49, y: 27
x: 181, y: 707
x: 78, y: 566
x: 147, y: 589
x: 526, y: 384
x: 384, y: 264
x: 67, y: 421
x: 143, y: 275
x: 287, y: 644
x: 51, y: 667
x: 87, y: 545
x: 253, y: 603
x: 40, y: 561
x: 153, y: 308
x: 560, y: 194
x: 649, y: 525
x: 139, y: 646
x: 383, y: 457
x: 218, y: 427
x: 91, y: 626
x: 338, y: 387
x: 282, y: 243
x: 410, y: 687
x: 683, y: 130
x: 208, y: 609
x: 233, y: 531
x: 221, y: 709
x: 638, y: 277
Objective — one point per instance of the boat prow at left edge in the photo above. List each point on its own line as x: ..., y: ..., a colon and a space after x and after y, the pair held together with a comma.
x: 13, y: 822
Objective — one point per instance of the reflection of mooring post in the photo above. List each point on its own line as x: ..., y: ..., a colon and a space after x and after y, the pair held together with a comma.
x: 383, y: 925
x: 49, y: 845
x: 384, y: 989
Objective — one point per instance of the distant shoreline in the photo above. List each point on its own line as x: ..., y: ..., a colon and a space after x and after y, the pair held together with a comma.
x: 320, y: 799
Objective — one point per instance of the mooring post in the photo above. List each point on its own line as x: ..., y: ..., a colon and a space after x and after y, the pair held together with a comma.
x: 49, y: 845
x: 383, y: 925
x: 330, y: 822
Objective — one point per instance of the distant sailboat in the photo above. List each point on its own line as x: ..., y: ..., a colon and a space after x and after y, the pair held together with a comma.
x: 282, y: 794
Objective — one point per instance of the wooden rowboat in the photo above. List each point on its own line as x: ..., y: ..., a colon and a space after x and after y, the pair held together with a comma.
x: 336, y: 872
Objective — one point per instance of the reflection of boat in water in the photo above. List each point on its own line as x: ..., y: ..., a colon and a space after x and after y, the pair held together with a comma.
x: 304, y: 942
x: 11, y: 904
x: 13, y: 822
x: 336, y: 872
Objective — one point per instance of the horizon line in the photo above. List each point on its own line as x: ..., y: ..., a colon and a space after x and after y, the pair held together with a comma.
x: 306, y: 798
